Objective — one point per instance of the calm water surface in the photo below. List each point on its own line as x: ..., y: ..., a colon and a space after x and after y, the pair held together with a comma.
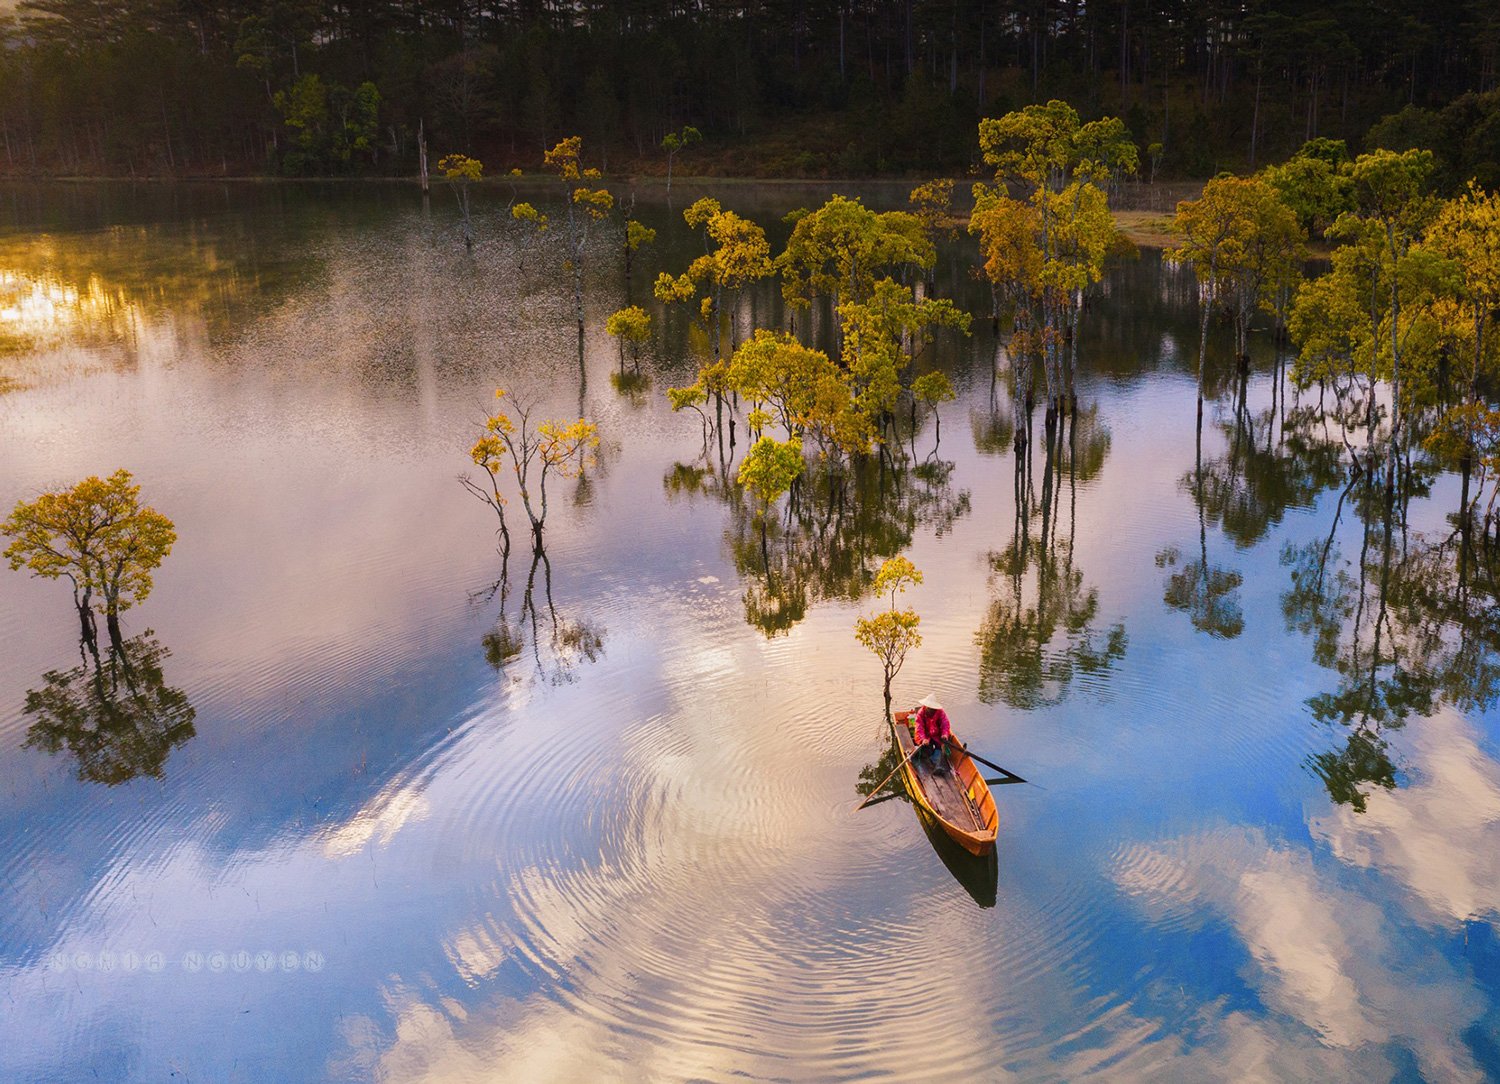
x: 373, y: 811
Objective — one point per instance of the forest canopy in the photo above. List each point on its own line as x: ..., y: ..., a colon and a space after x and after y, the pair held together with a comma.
x: 816, y: 88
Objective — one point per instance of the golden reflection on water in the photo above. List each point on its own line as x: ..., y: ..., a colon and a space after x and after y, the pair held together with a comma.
x: 38, y: 308
x: 89, y: 302
x: 51, y: 328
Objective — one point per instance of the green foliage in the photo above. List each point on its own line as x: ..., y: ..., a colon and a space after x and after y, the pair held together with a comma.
x: 891, y: 634
x: 631, y: 324
x: 136, y: 86
x: 1042, y: 255
x: 1048, y: 147
x: 686, y: 398
x: 736, y: 254
x: 330, y: 124
x: 1463, y: 136
x: 803, y: 387
x: 932, y: 203
x: 1317, y: 183
x: 673, y: 142
x: 873, y: 332
x: 1331, y: 323
x: 840, y: 249
x: 1246, y: 247
x: 1382, y: 290
x: 770, y: 467
x: 933, y: 388
x: 1392, y: 189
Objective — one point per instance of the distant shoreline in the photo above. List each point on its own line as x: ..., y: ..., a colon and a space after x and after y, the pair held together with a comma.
x: 1142, y: 210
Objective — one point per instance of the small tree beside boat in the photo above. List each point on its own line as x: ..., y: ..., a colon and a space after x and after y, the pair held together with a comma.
x: 891, y: 634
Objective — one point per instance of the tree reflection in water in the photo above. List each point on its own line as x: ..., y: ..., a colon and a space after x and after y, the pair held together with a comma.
x: 870, y: 775
x: 116, y: 715
x: 1408, y: 625
x: 1040, y: 631
x: 838, y: 523
x: 558, y: 644
x: 1208, y: 593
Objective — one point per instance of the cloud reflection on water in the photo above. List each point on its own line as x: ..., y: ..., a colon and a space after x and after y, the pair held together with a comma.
x: 1438, y: 833
x: 1319, y: 951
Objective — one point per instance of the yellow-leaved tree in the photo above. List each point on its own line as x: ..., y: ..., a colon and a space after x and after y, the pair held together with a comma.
x: 461, y: 171
x: 735, y: 255
x: 584, y: 207
x: 535, y: 452
x: 1065, y: 167
x: 631, y: 324
x: 1466, y: 233
x: 892, y: 634
x: 99, y: 537
x: 1246, y: 247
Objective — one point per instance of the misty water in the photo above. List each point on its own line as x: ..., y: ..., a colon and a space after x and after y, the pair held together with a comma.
x: 374, y: 805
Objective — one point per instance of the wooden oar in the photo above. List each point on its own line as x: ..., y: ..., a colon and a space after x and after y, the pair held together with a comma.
x: 1010, y: 776
x: 887, y: 779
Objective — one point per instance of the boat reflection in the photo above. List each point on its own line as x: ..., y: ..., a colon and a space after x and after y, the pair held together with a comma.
x: 979, y: 875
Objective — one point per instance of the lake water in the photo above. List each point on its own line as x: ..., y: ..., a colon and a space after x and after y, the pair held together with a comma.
x: 369, y: 811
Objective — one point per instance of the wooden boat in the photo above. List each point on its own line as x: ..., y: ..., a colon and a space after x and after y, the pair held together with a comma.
x: 959, y: 801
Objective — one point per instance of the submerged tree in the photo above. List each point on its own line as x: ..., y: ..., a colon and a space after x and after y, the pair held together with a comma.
x: 637, y: 236
x: 735, y: 255
x: 461, y: 171
x: 891, y: 634
x: 630, y: 325
x: 1391, y: 196
x: 583, y: 207
x: 1466, y: 233
x: 674, y: 142
x: 1063, y: 167
x: 841, y: 250
x: 800, y: 389
x: 872, y: 358
x: 534, y: 451
x: 769, y: 469
x: 1373, y: 318
x: 932, y: 203
x: 930, y: 389
x: 1246, y: 248
x: 100, y: 538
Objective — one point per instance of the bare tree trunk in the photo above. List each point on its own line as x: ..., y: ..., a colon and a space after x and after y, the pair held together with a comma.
x: 422, y: 154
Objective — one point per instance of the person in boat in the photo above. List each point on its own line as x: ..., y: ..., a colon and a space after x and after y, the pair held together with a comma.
x: 931, y: 730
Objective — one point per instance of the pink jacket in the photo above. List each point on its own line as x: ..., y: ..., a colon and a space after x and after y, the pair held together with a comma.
x: 932, y: 725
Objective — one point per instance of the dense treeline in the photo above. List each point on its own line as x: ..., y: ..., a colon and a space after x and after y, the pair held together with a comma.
x: 147, y: 87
